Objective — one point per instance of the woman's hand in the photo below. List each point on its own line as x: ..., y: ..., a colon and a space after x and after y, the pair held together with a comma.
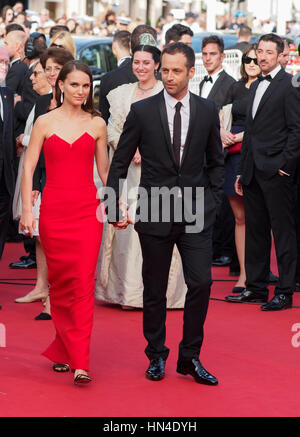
x: 27, y: 223
x: 238, y: 186
x: 239, y: 137
x: 228, y: 139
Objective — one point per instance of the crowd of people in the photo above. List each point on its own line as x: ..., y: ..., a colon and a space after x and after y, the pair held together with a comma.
x: 238, y: 139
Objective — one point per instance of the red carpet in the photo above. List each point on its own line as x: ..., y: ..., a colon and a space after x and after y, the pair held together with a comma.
x: 250, y: 351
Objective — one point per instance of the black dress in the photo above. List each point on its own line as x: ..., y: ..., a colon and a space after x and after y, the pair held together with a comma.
x: 238, y: 96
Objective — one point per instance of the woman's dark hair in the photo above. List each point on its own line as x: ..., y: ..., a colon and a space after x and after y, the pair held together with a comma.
x: 75, y: 65
x: 244, y: 75
x: 155, y: 52
x: 179, y: 47
x: 4, y: 12
x: 58, y: 54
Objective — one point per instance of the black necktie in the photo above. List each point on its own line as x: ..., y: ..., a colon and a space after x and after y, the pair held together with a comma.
x: 268, y: 77
x: 177, y: 132
x: 208, y: 79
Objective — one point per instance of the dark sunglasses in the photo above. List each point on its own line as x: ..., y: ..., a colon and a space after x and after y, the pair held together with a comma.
x: 247, y: 60
x: 57, y: 45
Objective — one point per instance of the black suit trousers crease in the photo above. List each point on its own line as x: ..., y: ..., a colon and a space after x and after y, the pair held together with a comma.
x: 270, y: 205
x: 196, y: 255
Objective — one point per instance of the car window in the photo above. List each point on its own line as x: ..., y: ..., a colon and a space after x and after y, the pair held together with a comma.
x: 93, y: 56
x: 110, y: 59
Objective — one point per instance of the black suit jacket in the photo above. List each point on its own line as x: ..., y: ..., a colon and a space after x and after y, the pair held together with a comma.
x: 112, y: 80
x: 23, y: 108
x: 272, y: 139
x: 16, y: 76
x: 220, y: 89
x: 8, y: 139
x: 202, y: 163
x: 42, y: 104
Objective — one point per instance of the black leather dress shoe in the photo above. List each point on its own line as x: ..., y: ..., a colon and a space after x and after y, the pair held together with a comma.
x: 221, y: 261
x: 156, y: 369
x: 27, y: 263
x: 194, y: 367
x: 279, y: 302
x: 247, y: 296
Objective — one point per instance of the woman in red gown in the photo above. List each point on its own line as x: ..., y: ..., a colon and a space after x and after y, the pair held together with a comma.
x: 71, y: 136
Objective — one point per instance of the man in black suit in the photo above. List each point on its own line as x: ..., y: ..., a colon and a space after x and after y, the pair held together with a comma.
x: 14, y: 42
x: 7, y: 150
x: 123, y: 74
x: 215, y: 86
x: 179, y: 33
x: 244, y: 34
x: 178, y: 136
x: 270, y: 154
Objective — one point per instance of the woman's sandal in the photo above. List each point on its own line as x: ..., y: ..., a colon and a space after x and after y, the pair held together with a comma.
x: 82, y: 379
x: 61, y: 367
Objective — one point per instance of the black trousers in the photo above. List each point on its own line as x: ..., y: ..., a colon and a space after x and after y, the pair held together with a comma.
x: 5, y: 208
x: 223, y: 231
x: 196, y: 255
x: 270, y: 204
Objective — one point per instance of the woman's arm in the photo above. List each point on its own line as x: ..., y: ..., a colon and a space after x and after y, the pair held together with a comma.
x: 37, y: 139
x: 101, y: 150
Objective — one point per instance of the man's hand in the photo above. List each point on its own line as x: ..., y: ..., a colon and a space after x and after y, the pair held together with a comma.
x: 137, y: 157
x: 126, y: 220
x: 17, y: 99
x: 238, y: 187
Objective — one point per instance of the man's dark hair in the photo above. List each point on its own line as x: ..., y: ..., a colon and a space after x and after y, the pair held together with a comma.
x: 244, y: 31
x: 176, y: 32
x: 272, y: 37
x: 122, y: 37
x: 13, y: 26
x: 57, y: 28
x: 138, y: 31
x: 213, y: 39
x: 179, y: 47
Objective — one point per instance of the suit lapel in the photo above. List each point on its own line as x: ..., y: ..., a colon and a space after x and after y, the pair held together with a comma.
x: 193, y: 110
x: 4, y: 109
x: 269, y: 91
x: 165, y: 124
x: 216, y: 86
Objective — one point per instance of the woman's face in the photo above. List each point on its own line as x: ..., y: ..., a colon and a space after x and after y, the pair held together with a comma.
x: 39, y: 79
x: 76, y: 87
x: 52, y: 71
x: 252, y: 69
x: 143, y: 65
x: 9, y: 15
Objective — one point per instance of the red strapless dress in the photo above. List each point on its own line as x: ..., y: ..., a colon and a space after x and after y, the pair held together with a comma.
x: 71, y: 235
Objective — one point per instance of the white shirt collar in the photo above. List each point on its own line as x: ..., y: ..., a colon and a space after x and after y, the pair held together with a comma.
x: 273, y: 72
x: 123, y: 59
x: 216, y: 75
x: 171, y: 101
x: 14, y: 60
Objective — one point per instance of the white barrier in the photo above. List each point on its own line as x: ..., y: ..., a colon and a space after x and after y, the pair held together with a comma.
x: 231, y: 64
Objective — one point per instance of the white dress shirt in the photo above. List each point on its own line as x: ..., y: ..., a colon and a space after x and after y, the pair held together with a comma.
x: 261, y: 89
x: 185, y: 116
x: 207, y: 86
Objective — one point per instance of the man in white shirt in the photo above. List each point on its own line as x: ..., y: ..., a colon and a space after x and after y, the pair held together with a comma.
x: 178, y: 136
x: 267, y: 170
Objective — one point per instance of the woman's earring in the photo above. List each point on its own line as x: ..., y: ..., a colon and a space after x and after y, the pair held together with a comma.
x: 61, y: 97
x: 85, y: 102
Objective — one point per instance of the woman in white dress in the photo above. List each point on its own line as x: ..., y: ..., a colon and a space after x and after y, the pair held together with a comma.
x: 40, y: 292
x: 119, y: 279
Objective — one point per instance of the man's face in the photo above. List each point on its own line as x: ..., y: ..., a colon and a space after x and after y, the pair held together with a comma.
x: 10, y: 45
x: 4, y: 63
x: 175, y: 74
x: 285, y: 57
x: 186, y: 39
x: 212, y: 58
x: 267, y: 56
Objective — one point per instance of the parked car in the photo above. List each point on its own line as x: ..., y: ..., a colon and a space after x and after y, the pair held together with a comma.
x: 230, y: 39
x: 97, y: 54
